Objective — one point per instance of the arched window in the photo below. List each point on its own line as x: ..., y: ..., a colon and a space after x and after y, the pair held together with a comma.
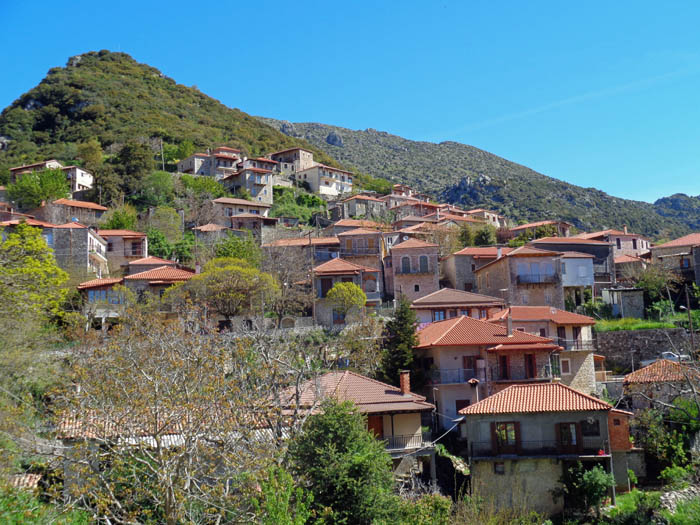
x: 405, y: 265
x: 423, y: 263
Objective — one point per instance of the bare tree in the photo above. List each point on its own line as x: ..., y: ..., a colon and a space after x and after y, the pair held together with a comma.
x: 291, y: 268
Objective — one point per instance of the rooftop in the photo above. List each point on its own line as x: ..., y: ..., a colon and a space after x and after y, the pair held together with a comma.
x: 661, y: 371
x: 340, y: 266
x: 162, y: 273
x: 304, y: 241
x: 152, y: 261
x: 568, y: 240
x: 210, y: 227
x: 450, y: 297
x: 692, y: 239
x: 483, y: 251
x: 543, y: 313
x: 413, y: 243
x: 623, y: 259
x: 97, y: 283
x: 80, y: 204
x: 538, y: 223
x: 231, y: 200
x: 120, y: 233
x: 358, y: 231
x: 358, y: 223
x: 536, y: 398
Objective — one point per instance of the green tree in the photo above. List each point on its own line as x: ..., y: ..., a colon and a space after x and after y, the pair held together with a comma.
x: 466, y: 236
x: 346, y: 296
x: 400, y: 340
x: 185, y: 149
x: 135, y: 162
x: 33, y: 188
x: 485, y: 236
x: 281, y: 502
x: 235, y: 247
x: 345, y: 467
x: 29, y: 275
x: 158, y: 189
x: 656, y: 281
x: 90, y: 153
x: 167, y: 221
x: 158, y: 245
x: 107, y: 188
x: 121, y: 218
x: 584, y: 488
x: 203, y: 186
x: 183, y: 250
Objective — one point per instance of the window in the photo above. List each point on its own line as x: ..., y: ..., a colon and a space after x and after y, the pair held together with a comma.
x: 590, y: 429
x: 520, y: 329
x: 616, y: 422
x: 469, y: 362
x: 685, y: 263
x: 499, y: 468
x: 619, y: 243
x: 110, y: 246
x: 543, y: 332
x: 423, y: 262
x: 634, y: 244
x: 567, y: 434
x: 505, y: 436
x: 416, y: 288
x: 556, y: 365
x: 438, y: 315
x: 338, y: 318
x: 405, y: 265
x: 563, y: 268
x: 473, y: 267
x: 566, y: 367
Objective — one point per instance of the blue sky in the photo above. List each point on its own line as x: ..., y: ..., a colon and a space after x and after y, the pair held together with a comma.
x: 601, y: 94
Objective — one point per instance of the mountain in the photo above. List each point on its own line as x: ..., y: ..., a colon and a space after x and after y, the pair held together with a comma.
x: 472, y: 177
x: 114, y: 98
x: 682, y: 207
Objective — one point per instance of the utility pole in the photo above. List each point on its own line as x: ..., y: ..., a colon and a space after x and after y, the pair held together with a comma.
x: 162, y: 157
x: 313, y: 280
x: 690, y: 322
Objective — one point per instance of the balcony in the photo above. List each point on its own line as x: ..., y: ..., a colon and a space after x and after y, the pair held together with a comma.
x: 520, y: 373
x: 450, y: 376
x: 412, y: 441
x: 575, y: 344
x: 415, y: 271
x: 537, y: 278
x: 359, y: 251
x: 589, y: 446
x: 373, y: 296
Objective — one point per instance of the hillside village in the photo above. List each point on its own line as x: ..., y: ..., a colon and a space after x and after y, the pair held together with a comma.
x: 512, y: 362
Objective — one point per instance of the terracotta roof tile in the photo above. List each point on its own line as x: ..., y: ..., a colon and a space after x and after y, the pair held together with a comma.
x: 210, y: 227
x: 660, y: 371
x: 369, y: 395
x: 451, y: 297
x: 569, y: 240
x: 242, y: 202
x: 577, y: 255
x: 340, y: 266
x: 162, y: 273
x: 80, y: 204
x: 536, y: 398
x: 304, y: 241
x: 691, y: 239
x: 358, y: 231
x: 71, y: 226
x: 623, y: 259
x: 536, y: 224
x: 363, y: 198
x: 544, y: 313
x: 603, y: 233
x: 120, y: 233
x: 28, y: 222
x: 97, y: 283
x: 358, y: 223
x: 488, y: 251
x: 151, y: 260
x: 413, y: 243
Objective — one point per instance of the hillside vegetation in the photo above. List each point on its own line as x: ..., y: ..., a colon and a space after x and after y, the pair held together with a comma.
x: 469, y: 176
x: 113, y: 98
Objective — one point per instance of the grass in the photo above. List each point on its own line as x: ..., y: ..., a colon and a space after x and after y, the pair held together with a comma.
x: 615, y: 325
x: 22, y: 507
x: 687, y: 513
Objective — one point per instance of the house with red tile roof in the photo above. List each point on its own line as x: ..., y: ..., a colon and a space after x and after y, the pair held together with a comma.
x: 293, y: 160
x: 562, y: 228
x: 124, y: 246
x: 466, y: 359
x: 663, y: 381
x: 394, y: 414
x: 79, y: 179
x: 524, y: 276
x: 622, y: 241
x: 62, y: 211
x: 521, y: 440
x: 148, y: 263
x: 489, y: 217
x: 412, y: 269
x: 257, y: 181
x: 327, y: 181
x: 575, y: 364
x: 458, y: 268
x: 681, y: 255
x: 361, y: 205
x: 339, y: 270
x: 219, y: 163
x: 627, y: 267
x: 447, y: 303
x: 345, y: 225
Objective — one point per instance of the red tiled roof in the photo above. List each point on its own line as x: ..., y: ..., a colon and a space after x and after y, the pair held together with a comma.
x: 543, y: 313
x: 523, y: 251
x: 28, y: 222
x: 413, y: 243
x: 290, y: 149
x: 340, y: 266
x: 80, y: 204
x: 210, y: 227
x: 449, y: 216
x: 331, y: 168
x: 96, y: 283
x: 577, y: 255
x: 364, y: 198
x: 691, y: 239
x: 484, y: 251
x: 162, y: 273
x: 536, y: 398
x: 32, y: 165
x: 369, y: 395
x: 263, y: 159
x: 231, y: 200
x: 603, y: 233
x: 446, y: 297
x: 71, y: 225
x: 152, y: 261
x: 358, y: 231
x: 568, y: 240
x: 358, y: 223
x: 255, y: 170
x: 120, y: 233
x: 304, y: 241
x: 462, y: 331
x: 661, y: 371
x: 414, y: 218
x: 226, y: 148
x: 538, y: 223
x: 623, y: 259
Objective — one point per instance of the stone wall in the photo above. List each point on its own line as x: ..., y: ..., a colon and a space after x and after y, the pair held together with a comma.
x: 620, y: 347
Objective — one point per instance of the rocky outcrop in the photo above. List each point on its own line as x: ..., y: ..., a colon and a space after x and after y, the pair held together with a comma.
x: 334, y: 139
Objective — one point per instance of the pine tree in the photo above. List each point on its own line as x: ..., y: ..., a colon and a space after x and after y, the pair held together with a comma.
x: 401, y: 339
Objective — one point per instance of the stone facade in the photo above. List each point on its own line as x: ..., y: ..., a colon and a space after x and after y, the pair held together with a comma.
x: 414, y: 271
x: 80, y: 250
x: 622, y: 347
x: 582, y: 370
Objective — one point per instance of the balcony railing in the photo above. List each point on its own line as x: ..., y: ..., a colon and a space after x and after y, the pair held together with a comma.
x: 412, y: 441
x: 414, y: 271
x: 537, y: 278
x: 520, y: 373
x: 446, y: 376
x: 344, y: 252
x: 589, y: 446
x: 575, y: 344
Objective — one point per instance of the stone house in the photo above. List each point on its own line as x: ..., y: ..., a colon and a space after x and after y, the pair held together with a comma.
x: 262, y: 228
x: 362, y: 246
x: 365, y: 206
x: 681, y: 255
x: 78, y: 248
x: 447, y: 303
x: 394, y: 414
x: 412, y: 269
x: 662, y: 381
x: 524, y: 276
x: 458, y: 268
x: 411, y: 220
x: 574, y: 365
x: 62, y: 211
x: 627, y: 266
x: 414, y: 207
x: 562, y: 228
x: 623, y: 242
x: 521, y: 439
x: 209, y: 234
x: 325, y: 180
x: 149, y: 263
x: 603, y: 262
x: 220, y: 163
x: 321, y: 248
x: 293, y: 160
x: 346, y: 225
x: 124, y: 246
x: 156, y: 280
x: 464, y: 360
x: 256, y: 181
x: 577, y: 276
x: 226, y: 207
x: 625, y: 301
x: 488, y: 217
x: 338, y: 270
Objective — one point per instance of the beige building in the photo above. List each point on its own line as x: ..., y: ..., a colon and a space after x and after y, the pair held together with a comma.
x: 124, y: 246
x: 525, y: 276
x: 326, y: 181
x: 459, y: 268
x: 227, y: 207
x: 412, y: 269
x: 293, y: 160
x: 256, y: 181
x: 362, y: 246
x: 78, y: 178
x: 220, y: 163
x: 623, y: 242
x: 447, y: 303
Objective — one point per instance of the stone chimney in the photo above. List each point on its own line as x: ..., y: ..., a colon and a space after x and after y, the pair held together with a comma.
x: 405, y: 381
x: 625, y: 228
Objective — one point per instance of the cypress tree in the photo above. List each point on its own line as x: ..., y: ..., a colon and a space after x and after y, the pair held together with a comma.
x: 400, y: 340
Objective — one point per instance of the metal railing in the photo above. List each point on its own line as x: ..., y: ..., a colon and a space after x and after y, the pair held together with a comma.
x: 537, y: 278
x: 589, y: 446
x: 359, y: 251
x: 446, y: 376
x: 413, y: 271
x: 575, y: 344
x: 519, y: 373
x: 408, y: 442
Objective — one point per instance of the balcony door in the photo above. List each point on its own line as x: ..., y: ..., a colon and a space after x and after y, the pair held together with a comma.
x: 503, y: 368
x: 505, y: 437
x: 569, y: 438
x: 530, y: 366
x: 561, y: 334
x: 375, y: 424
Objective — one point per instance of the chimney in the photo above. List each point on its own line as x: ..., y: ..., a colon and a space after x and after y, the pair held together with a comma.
x: 510, y: 324
x: 405, y: 381
x: 625, y: 228
x: 499, y: 252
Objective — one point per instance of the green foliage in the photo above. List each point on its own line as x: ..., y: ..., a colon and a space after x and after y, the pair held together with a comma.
x: 33, y: 188
x: 656, y: 280
x: 369, y: 183
x: 485, y: 236
x: 234, y: 247
x: 166, y: 220
x: 91, y: 154
x: 675, y: 476
x: 135, y: 162
x: 400, y: 339
x: 158, y: 245
x: 466, y: 236
x: 294, y: 202
x: 474, y: 509
x: 629, y: 323
x: 281, y: 503
x: 345, y: 297
x: 430, y: 509
x: 158, y: 190
x: 184, y: 150
x: 583, y: 488
x: 687, y: 513
x: 201, y: 186
x: 20, y: 507
x: 632, y: 476
x: 661, y: 310
x: 183, y: 250
x: 634, y: 508
x: 121, y: 218
x: 596, y: 308
x: 663, y: 444
x: 344, y: 466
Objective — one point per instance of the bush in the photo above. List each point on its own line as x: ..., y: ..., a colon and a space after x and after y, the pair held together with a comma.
x: 675, y: 476
x: 635, y: 508
x: 629, y: 323
x: 584, y: 488
x: 687, y: 513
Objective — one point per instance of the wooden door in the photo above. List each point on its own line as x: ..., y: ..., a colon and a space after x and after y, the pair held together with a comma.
x: 530, y: 366
x: 375, y: 424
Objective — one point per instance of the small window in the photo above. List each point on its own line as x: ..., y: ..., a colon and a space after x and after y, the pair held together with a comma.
x: 616, y: 422
x: 416, y: 288
x: 591, y: 429
x: 634, y: 244
x: 566, y: 367
x: 563, y: 268
x: 619, y: 243
x: 520, y: 329
x: 110, y: 246
x: 543, y: 332
x: 438, y: 315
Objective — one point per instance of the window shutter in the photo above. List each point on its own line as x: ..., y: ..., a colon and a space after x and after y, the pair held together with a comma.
x: 557, y: 433
x: 494, y: 439
x: 579, y: 441
x: 518, y: 443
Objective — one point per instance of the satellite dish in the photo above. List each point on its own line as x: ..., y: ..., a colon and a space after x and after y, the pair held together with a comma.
x: 405, y: 237
x: 590, y: 420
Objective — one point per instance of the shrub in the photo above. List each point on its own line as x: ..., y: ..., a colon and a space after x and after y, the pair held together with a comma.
x: 675, y: 476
